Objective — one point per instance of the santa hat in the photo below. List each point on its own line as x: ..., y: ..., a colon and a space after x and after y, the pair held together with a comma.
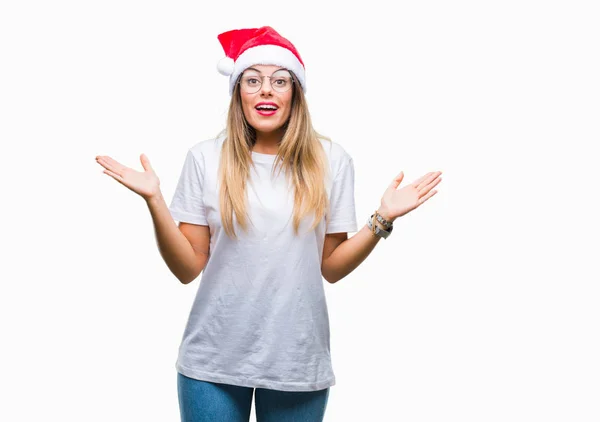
x: 246, y: 47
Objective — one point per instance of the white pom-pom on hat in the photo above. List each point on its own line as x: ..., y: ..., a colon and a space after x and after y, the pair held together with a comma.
x: 225, y: 66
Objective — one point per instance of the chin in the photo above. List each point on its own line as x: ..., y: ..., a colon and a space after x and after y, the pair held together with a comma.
x: 267, y: 128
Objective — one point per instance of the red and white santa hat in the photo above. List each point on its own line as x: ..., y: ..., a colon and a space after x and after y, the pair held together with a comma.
x: 246, y: 47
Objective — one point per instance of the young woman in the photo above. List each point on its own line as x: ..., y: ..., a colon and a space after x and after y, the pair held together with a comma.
x: 264, y: 210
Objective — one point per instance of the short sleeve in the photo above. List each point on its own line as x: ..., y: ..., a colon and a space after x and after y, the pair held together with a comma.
x: 342, y: 210
x: 187, y: 205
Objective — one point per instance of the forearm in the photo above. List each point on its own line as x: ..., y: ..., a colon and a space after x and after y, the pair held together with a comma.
x: 175, y: 249
x: 350, y: 254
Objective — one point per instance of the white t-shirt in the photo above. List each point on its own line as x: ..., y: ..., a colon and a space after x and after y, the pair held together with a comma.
x: 260, y: 316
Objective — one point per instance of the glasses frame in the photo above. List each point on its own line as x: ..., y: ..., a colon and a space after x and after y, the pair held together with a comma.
x: 260, y: 78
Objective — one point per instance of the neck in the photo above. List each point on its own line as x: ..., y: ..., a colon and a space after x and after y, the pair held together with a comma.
x: 268, y: 142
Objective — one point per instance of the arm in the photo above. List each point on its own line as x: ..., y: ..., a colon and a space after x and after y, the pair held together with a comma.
x: 184, y: 248
x: 341, y: 255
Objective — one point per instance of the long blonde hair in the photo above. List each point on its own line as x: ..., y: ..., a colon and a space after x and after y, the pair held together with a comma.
x: 300, y: 156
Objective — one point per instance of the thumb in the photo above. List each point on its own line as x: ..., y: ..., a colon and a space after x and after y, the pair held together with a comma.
x: 146, y: 162
x: 396, y: 182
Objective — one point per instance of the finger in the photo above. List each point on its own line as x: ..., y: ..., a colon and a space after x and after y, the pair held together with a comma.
x: 426, y: 197
x: 427, y: 179
x: 397, y: 180
x: 114, y: 176
x: 416, y: 183
x: 104, y: 162
x: 146, y: 163
x: 425, y: 189
x: 114, y: 165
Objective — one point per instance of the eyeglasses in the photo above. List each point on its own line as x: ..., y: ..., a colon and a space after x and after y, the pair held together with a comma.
x: 281, y: 81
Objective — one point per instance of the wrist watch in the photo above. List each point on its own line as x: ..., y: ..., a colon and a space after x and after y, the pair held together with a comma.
x: 379, y: 231
x: 385, y: 223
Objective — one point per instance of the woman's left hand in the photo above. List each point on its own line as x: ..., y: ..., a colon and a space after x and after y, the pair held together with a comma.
x: 397, y: 202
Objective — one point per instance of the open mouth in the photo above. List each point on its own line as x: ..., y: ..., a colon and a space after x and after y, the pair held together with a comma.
x: 266, y: 109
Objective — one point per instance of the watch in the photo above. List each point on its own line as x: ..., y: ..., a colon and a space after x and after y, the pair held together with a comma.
x: 379, y: 231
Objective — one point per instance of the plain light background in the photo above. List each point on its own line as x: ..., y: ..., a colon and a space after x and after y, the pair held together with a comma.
x: 482, y: 305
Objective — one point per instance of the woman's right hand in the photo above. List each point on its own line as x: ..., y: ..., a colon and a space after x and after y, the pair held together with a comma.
x: 146, y: 183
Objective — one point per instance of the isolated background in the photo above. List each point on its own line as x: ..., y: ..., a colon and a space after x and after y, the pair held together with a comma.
x: 482, y: 305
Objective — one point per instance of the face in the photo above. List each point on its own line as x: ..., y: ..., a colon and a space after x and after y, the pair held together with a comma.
x: 265, y: 120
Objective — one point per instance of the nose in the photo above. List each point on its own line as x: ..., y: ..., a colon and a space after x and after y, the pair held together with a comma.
x: 266, y: 88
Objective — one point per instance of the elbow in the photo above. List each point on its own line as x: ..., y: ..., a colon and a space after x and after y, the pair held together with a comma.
x: 332, y: 277
x: 328, y: 279
x: 185, y: 280
x: 188, y: 278
x: 332, y: 280
x: 325, y: 275
x: 329, y: 275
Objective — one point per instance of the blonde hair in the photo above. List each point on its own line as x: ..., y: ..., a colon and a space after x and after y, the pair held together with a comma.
x: 300, y: 156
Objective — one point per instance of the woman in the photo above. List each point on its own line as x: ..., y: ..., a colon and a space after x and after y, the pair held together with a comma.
x: 264, y: 210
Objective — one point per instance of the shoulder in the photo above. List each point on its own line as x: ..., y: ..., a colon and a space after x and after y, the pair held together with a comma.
x: 336, y: 154
x: 207, y: 149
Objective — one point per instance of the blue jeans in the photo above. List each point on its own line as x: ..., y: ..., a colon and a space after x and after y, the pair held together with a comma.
x: 203, y: 401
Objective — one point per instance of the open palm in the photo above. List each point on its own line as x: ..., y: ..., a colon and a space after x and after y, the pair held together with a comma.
x: 144, y: 183
x: 397, y: 202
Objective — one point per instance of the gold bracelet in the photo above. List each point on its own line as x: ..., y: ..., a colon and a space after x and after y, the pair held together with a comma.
x: 373, y: 224
x: 387, y: 226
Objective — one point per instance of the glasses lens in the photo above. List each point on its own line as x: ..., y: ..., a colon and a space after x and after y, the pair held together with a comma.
x: 250, y: 83
x: 281, y: 80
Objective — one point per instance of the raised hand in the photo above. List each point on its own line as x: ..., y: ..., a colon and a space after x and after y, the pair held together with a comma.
x: 397, y: 202
x: 146, y: 183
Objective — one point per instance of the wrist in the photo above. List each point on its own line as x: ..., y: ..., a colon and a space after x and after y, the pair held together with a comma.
x: 154, y: 199
x: 381, y: 226
x: 377, y: 228
x: 385, y: 214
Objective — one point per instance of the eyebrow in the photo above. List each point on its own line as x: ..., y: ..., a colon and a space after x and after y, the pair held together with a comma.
x: 251, y: 68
